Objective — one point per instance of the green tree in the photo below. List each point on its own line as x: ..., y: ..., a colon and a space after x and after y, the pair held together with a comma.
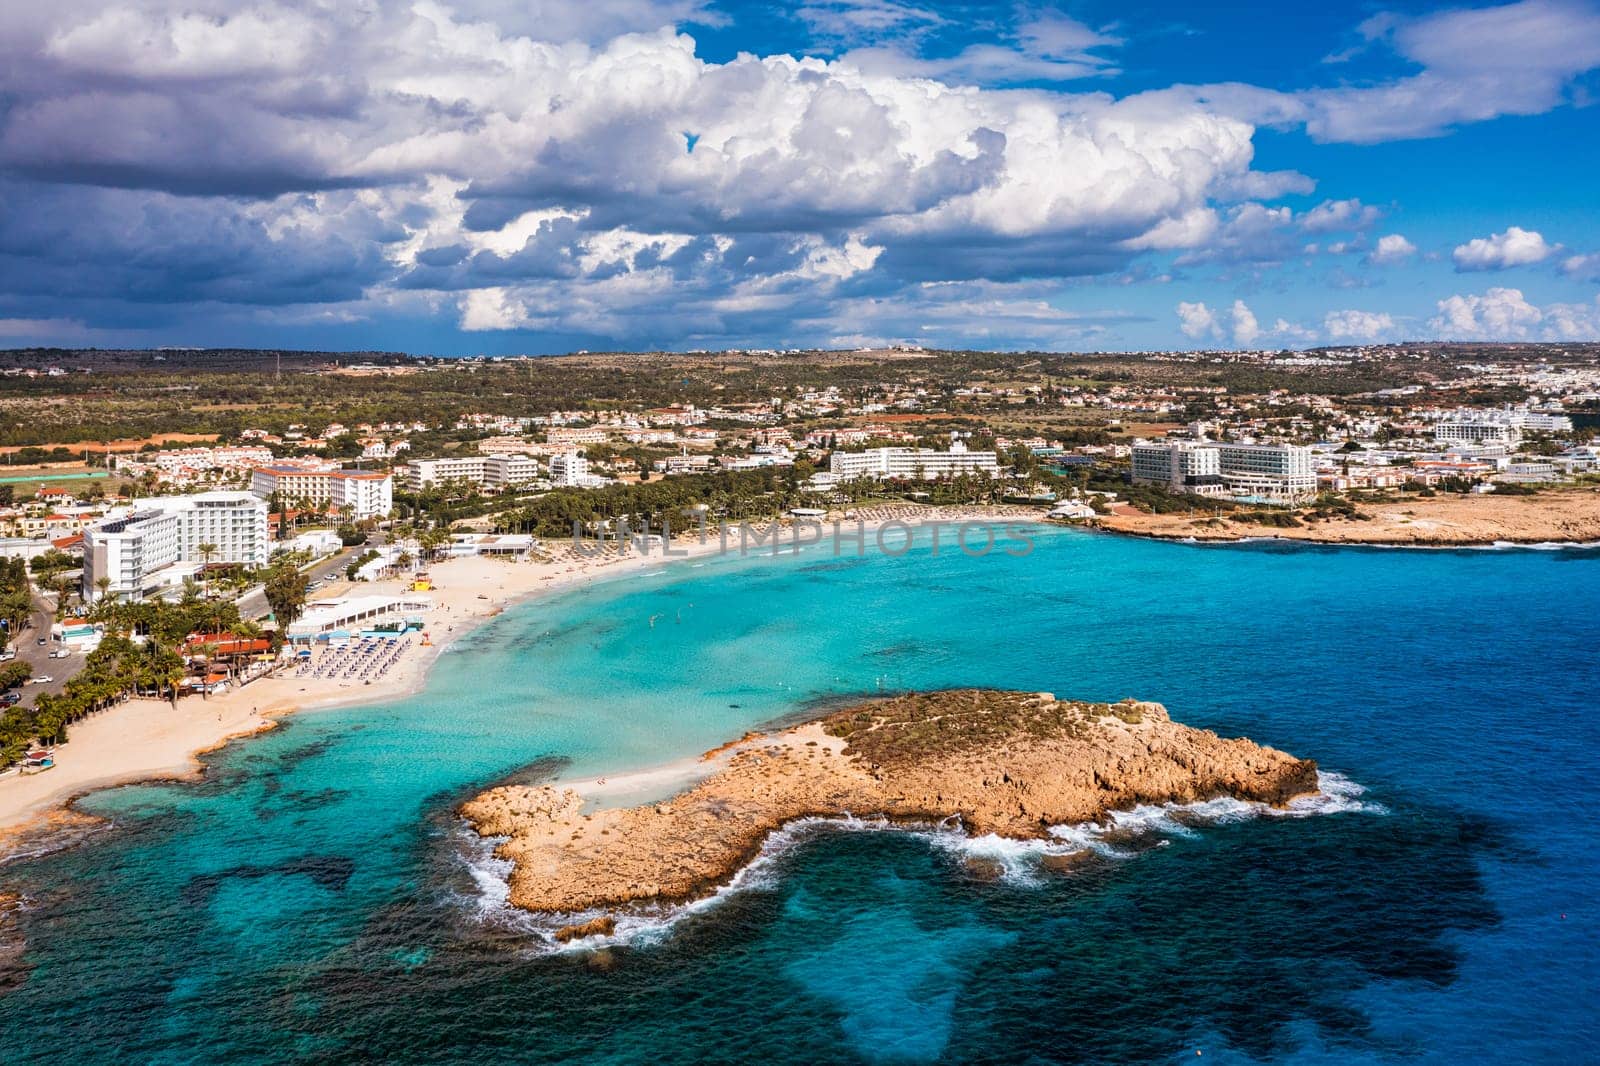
x: 285, y: 589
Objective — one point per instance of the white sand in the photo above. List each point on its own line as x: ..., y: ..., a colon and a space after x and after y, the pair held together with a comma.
x: 146, y: 739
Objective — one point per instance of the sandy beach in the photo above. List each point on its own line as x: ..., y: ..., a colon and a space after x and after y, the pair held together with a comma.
x: 144, y: 739
x: 1570, y: 516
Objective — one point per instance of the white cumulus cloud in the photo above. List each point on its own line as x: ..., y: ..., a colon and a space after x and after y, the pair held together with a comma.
x: 1356, y: 325
x: 1502, y: 314
x: 1245, y: 327
x: 1498, y: 314
x: 1392, y: 248
x: 1196, y: 320
x: 1515, y: 247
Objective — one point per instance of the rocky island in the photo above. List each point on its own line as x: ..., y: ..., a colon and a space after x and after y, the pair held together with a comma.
x: 1010, y: 763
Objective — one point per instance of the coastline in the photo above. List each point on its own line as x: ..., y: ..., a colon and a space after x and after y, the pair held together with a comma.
x: 147, y: 740
x: 1568, y: 518
x: 1009, y: 764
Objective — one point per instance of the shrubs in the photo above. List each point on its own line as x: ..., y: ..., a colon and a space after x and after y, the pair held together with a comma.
x: 1276, y: 519
x: 931, y: 724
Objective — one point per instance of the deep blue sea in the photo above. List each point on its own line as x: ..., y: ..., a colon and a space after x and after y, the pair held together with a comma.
x: 316, y: 899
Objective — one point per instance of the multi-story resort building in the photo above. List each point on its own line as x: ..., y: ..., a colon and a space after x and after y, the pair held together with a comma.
x: 362, y: 493
x: 498, y: 471
x: 1503, y: 425
x: 156, y: 545
x: 1179, y: 467
x: 568, y: 437
x: 571, y: 470
x: 356, y: 493
x: 1278, y: 473
x: 293, y: 481
x: 921, y: 463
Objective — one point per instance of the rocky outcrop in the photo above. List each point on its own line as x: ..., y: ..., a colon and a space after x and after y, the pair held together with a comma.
x: 1570, y: 515
x: 601, y: 926
x: 1009, y: 763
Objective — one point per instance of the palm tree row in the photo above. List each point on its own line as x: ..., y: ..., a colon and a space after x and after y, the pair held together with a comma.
x: 112, y: 672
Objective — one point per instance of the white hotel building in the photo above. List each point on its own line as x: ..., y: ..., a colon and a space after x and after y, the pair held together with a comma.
x: 1503, y: 425
x: 571, y: 470
x: 1275, y: 473
x: 356, y: 493
x: 156, y: 545
x: 920, y: 463
x: 496, y: 471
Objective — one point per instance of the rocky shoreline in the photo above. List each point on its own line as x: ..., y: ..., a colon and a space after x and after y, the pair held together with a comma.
x: 1009, y: 763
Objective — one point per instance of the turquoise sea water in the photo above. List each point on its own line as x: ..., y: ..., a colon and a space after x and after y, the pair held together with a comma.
x: 316, y: 899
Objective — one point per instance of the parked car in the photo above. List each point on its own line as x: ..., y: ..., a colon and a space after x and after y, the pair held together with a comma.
x: 42, y: 679
x: 43, y: 641
x: 60, y: 653
x: 7, y: 655
x: 10, y: 699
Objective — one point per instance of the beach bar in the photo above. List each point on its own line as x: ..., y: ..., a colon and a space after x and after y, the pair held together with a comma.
x: 328, y: 616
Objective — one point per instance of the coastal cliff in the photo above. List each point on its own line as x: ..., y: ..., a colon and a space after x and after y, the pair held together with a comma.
x: 1009, y: 763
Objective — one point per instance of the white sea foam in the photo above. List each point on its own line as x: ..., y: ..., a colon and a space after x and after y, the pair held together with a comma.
x: 1541, y: 546
x: 1122, y: 836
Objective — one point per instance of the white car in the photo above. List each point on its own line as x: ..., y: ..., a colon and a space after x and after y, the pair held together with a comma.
x: 7, y: 655
x: 42, y: 679
x: 60, y: 653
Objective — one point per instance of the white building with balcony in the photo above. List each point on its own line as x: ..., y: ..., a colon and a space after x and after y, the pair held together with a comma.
x: 495, y: 471
x: 157, y: 544
x: 356, y: 493
x: 571, y: 470
x: 1275, y: 473
x: 923, y: 464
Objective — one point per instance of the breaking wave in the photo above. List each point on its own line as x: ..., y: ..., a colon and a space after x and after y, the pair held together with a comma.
x: 1123, y: 835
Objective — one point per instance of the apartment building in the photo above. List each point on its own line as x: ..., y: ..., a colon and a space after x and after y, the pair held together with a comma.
x: 157, y: 544
x: 183, y: 462
x: 356, y: 493
x: 496, y: 471
x: 1501, y: 425
x: 294, y: 481
x: 920, y: 463
x: 566, y: 438
x: 362, y: 493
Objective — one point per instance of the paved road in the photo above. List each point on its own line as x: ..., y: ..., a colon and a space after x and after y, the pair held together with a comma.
x: 253, y: 604
x: 37, y: 656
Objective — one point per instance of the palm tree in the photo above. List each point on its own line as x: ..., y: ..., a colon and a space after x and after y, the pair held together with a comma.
x: 102, y: 585
x: 205, y: 652
x: 207, y: 553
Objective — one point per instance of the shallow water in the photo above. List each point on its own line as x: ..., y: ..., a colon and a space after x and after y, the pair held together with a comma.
x: 316, y: 899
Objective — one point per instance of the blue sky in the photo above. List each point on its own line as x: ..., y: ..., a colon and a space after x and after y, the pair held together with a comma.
x: 507, y: 176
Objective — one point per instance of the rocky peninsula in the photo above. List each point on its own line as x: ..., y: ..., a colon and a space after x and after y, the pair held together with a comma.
x: 1553, y: 516
x: 1010, y: 763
